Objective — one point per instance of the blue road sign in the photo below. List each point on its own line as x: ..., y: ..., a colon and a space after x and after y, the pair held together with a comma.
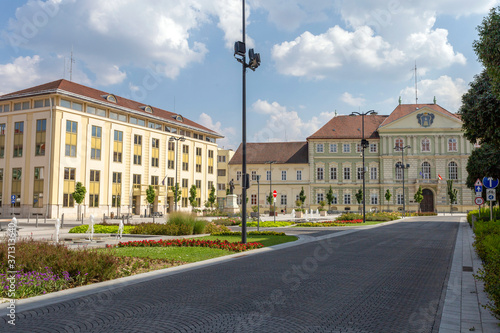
x: 13, y: 199
x: 478, y: 188
x: 490, y: 182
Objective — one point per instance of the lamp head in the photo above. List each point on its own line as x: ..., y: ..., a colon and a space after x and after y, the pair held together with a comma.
x: 171, y: 139
x: 182, y: 139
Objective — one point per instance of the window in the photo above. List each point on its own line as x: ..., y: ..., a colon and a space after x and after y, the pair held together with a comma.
x: 95, y: 143
x: 399, y: 199
x: 210, y: 185
x: 373, y: 173
x: 319, y: 147
x: 154, y: 125
x: 359, y: 148
x: 426, y: 170
x: 238, y: 175
x: 399, y: 171
x: 38, y: 188
x: 453, y: 170
x: 283, y: 175
x: 171, y: 155
x: 319, y: 197
x: 69, y: 187
x: 137, y: 149
x: 221, y: 172
x: 18, y: 138
x: 41, y: 129
x: 299, y: 174
x: 221, y: 159
x: 185, y: 157
x: 334, y: 201
x: 283, y: 200
x: 268, y: 175
x: 452, y: 144
x: 373, y: 147
x: 16, y: 186
x: 137, y: 121
x: 111, y: 98
x: 185, y: 186
x: 136, y: 181
x: 360, y: 173
x: 221, y: 187
x: 2, y: 140
x: 347, y: 199
x: 333, y: 147
x: 253, y: 199
x: 95, y: 176
x: 71, y: 105
x: 198, y: 160
x: 347, y: 147
x: 155, y: 181
x: 333, y: 173
x: 399, y: 143
x: 254, y: 175
x: 155, y: 152
x: 116, y: 189
x: 319, y: 174
x: 71, y: 136
x: 118, y: 146
x: 210, y: 161
x: 347, y: 173
x: 374, y: 199
x: 426, y: 145
x: 115, y: 116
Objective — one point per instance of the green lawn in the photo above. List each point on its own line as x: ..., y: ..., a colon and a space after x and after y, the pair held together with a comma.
x: 193, y: 254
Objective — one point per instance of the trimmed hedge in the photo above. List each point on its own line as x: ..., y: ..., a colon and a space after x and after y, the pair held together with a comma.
x: 100, y: 229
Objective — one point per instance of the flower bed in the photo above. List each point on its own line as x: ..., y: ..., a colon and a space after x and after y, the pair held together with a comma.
x: 269, y: 224
x: 254, y: 233
x: 218, y: 244
x: 228, y: 221
x: 101, y: 229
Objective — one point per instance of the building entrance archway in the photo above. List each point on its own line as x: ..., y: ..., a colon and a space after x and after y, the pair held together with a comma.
x: 427, y: 204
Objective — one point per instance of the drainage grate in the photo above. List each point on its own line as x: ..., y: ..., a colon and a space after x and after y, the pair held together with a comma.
x: 467, y: 268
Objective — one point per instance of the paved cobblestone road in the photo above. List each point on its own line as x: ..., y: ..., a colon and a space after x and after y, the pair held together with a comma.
x: 387, y: 279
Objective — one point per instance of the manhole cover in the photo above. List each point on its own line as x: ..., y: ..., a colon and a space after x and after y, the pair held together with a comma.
x: 467, y: 268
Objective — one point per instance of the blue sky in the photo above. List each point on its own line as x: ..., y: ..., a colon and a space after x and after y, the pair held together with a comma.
x: 318, y: 56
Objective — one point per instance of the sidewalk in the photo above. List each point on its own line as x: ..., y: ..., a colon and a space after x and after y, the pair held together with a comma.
x: 463, y: 310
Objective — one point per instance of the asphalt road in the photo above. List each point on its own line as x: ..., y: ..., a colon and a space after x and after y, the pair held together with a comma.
x: 386, y: 279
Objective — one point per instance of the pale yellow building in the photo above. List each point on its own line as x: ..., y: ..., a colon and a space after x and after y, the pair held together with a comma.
x: 223, y: 158
x: 60, y: 133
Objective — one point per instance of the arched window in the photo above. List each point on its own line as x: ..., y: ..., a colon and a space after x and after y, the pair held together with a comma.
x: 426, y: 170
x: 399, y: 143
x: 399, y: 171
x: 426, y: 145
x: 111, y: 98
x: 453, y: 171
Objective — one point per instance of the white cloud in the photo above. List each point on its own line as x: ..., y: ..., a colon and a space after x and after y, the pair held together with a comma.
x: 285, y: 125
x: 229, y: 133
x: 448, y: 92
x: 18, y: 74
x: 353, y: 101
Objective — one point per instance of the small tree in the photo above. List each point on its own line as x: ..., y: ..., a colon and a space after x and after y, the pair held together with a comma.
x: 388, y: 196
x: 302, y: 196
x: 418, y: 197
x: 452, y: 194
x: 177, y: 193
x: 269, y: 198
x: 322, y: 204
x: 79, y: 196
x: 193, y: 191
x: 212, y: 197
x: 329, y: 197
x: 150, y: 197
x: 359, y: 196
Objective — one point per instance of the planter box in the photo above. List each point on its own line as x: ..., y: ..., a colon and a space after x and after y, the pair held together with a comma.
x: 322, y: 213
x: 299, y: 215
x: 275, y: 214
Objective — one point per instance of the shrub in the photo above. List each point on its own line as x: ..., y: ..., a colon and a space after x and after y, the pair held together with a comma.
x: 485, y: 214
x: 255, y: 233
x: 199, y: 227
x: 228, y: 221
x: 155, y: 229
x: 213, y: 228
x: 269, y: 224
x: 349, y: 216
x: 101, y: 229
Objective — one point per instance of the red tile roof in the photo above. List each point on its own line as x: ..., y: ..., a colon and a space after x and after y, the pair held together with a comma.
x: 405, y: 109
x: 349, y: 127
x: 280, y: 152
x: 62, y: 86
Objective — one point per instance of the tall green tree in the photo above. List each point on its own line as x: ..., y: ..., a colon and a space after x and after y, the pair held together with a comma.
x: 176, y: 190
x: 359, y: 196
x: 487, y: 47
x: 212, y: 197
x: 452, y: 193
x: 302, y: 196
x: 79, y: 196
x: 329, y: 197
x: 418, y: 197
x: 150, y: 197
x: 388, y: 196
x: 193, y: 191
x: 483, y: 162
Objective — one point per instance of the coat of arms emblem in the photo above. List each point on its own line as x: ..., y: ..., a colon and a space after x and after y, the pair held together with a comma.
x: 425, y: 119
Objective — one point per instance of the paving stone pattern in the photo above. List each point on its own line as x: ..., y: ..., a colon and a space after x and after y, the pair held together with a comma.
x: 387, y: 279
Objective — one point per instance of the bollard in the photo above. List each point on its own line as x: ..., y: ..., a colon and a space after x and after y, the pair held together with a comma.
x: 62, y: 220
x: 45, y: 219
x: 58, y: 225
x: 28, y: 218
x: 37, y: 220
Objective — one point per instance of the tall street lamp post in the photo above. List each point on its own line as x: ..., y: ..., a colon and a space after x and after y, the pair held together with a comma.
x: 403, y: 166
x: 172, y: 139
x: 253, y: 63
x: 364, y: 144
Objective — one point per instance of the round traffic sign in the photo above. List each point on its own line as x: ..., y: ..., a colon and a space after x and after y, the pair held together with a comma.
x: 479, y: 201
x: 275, y: 193
x: 490, y: 182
